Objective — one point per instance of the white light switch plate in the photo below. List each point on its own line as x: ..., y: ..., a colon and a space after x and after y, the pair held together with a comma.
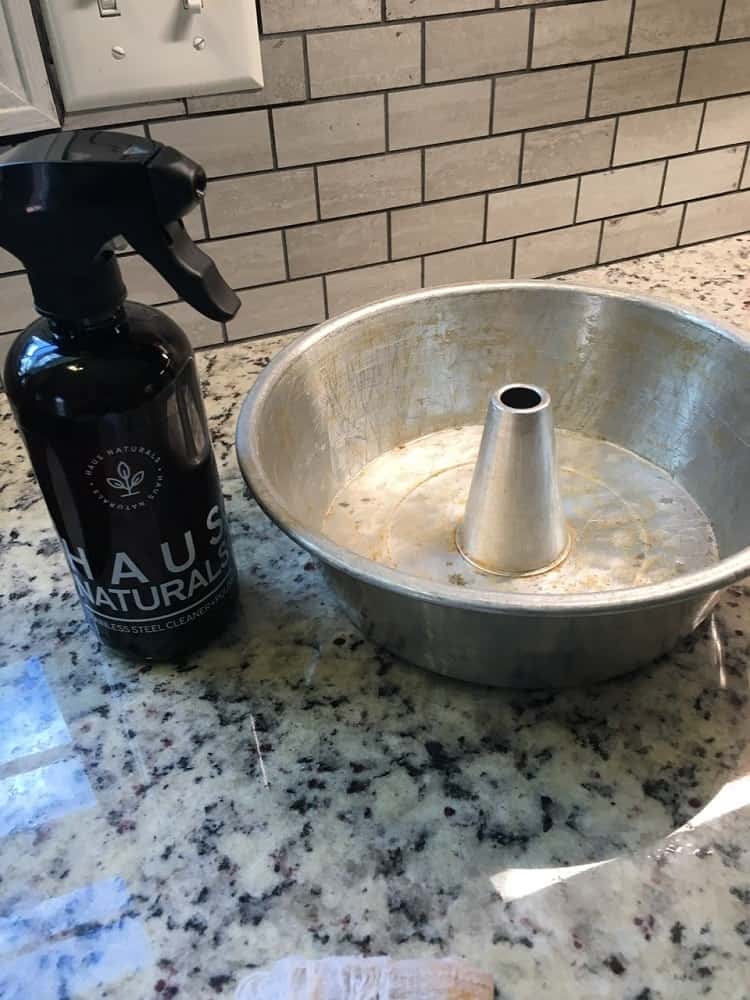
x: 169, y: 50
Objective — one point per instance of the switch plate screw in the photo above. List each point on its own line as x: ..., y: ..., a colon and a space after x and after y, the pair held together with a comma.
x: 199, y: 42
x: 118, y: 52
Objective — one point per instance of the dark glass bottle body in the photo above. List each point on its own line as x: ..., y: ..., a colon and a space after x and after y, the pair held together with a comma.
x: 114, y: 424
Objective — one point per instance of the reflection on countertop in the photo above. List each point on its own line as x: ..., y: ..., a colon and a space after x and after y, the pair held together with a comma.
x: 165, y: 829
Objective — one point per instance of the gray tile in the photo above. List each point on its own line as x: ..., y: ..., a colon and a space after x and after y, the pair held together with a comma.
x: 18, y: 305
x: 479, y: 165
x: 144, y: 283
x: 579, y: 32
x: 644, y: 232
x: 8, y: 262
x: 6, y: 342
x: 349, y: 62
x: 222, y: 144
x: 439, y: 226
x: 704, y: 174
x: 263, y: 201
x: 425, y: 8
x: 545, y: 97
x: 249, y: 260
x: 370, y: 184
x: 457, y: 47
x: 202, y: 332
x: 638, y: 82
x: 561, y: 250
x: 351, y: 289
x: 712, y: 217
x: 295, y: 15
x: 283, y: 79
x: 439, y: 114
x: 531, y: 209
x: 486, y: 262
x: 715, y: 70
x: 329, y: 130
x: 736, y: 20
x: 194, y: 224
x: 568, y: 149
x: 101, y: 117
x: 727, y: 120
x: 668, y: 24
x: 654, y: 134
x: 331, y: 246
x: 272, y: 308
x: 130, y: 130
x: 613, y: 192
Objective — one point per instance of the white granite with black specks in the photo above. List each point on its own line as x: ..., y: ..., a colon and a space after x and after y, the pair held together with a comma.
x: 591, y: 843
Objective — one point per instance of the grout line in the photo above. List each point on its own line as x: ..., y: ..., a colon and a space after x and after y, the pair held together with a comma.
x: 577, y: 200
x: 423, y: 52
x: 272, y: 136
x: 720, y: 25
x: 700, y: 126
x: 682, y: 224
x: 432, y: 84
x: 285, y: 253
x: 589, y: 96
x: 519, y: 178
x: 224, y: 333
x: 388, y: 237
x: 744, y: 168
x: 683, y: 70
x: 387, y: 123
x: 615, y: 130
x: 383, y: 12
x: 532, y: 30
x: 421, y: 271
x: 514, y: 241
x: 306, y: 68
x: 486, y: 216
x: 601, y: 119
x: 493, y: 88
x: 599, y: 243
x: 455, y: 15
x: 316, y: 189
x: 299, y: 328
x: 631, y: 22
x: 465, y: 138
x: 663, y: 183
x: 324, y: 285
x: 204, y: 217
x: 423, y: 167
x: 439, y: 201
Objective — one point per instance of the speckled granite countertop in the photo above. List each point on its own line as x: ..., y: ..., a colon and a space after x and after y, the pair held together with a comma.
x: 586, y: 844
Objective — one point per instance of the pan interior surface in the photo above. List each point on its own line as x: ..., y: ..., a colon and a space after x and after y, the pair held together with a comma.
x: 631, y: 524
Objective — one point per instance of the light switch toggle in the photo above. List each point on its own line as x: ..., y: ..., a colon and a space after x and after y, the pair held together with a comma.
x: 194, y: 6
x: 108, y: 8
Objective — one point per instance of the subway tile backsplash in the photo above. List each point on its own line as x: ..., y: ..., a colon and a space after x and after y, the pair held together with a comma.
x: 399, y: 144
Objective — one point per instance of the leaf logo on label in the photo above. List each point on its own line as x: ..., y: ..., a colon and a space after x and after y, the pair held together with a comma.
x: 128, y: 480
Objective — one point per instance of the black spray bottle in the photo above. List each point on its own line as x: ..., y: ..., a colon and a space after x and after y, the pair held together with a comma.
x: 105, y: 391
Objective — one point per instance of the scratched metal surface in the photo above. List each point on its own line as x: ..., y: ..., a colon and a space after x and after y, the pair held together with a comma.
x: 631, y: 523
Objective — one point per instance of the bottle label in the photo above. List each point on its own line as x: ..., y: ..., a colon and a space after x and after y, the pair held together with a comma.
x: 128, y: 477
x: 194, y: 573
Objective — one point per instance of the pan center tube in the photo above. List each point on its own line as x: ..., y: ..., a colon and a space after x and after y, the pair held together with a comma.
x: 513, y: 522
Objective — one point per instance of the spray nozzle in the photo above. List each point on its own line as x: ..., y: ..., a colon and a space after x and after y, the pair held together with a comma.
x: 65, y: 197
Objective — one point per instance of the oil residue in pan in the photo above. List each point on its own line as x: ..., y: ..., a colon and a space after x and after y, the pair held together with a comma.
x: 631, y: 523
